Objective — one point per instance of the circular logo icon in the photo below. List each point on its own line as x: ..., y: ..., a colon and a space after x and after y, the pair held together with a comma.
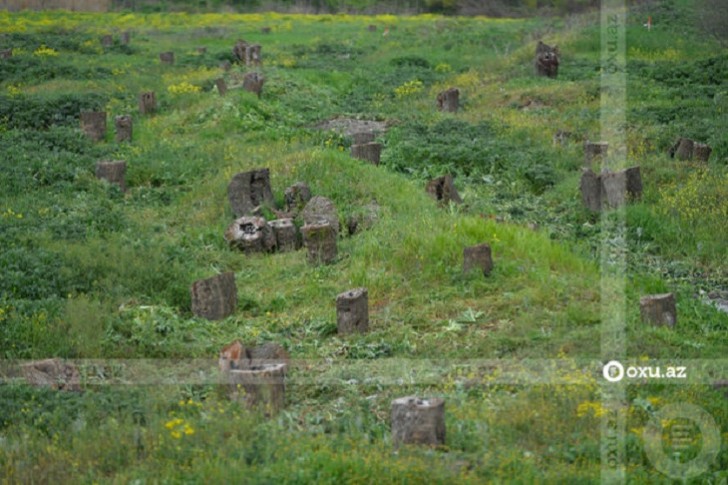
x: 691, y: 436
x: 613, y: 371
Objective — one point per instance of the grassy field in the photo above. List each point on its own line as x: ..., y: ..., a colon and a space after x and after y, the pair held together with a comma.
x: 89, y: 272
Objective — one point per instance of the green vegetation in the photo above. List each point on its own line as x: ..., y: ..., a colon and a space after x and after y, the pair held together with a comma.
x: 90, y: 272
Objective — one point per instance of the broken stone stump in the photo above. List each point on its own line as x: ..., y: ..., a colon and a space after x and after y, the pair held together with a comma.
x: 449, y: 100
x: 125, y: 37
x: 659, y: 309
x: 363, y: 219
x: 123, y: 125
x: 478, y: 257
x: 249, y: 190
x: 352, y: 311
x: 261, y: 386
x: 221, y: 86
x: 253, y: 82
x: 618, y: 187
x: 239, y: 50
x: 214, y: 298
x: 418, y: 421
x: 250, y: 234
x: 701, y: 152
x: 53, y: 373
x: 634, y: 182
x: 93, y: 124
x: 114, y: 172
x: 166, y: 57
x: 547, y: 60
x: 684, y: 149
x: 320, y: 239
x: 6, y: 53
x: 594, y: 152
x: 362, y: 137
x: 286, y: 235
x: 443, y: 190
x: 107, y: 40
x: 371, y: 152
x: 147, y: 102
x: 297, y: 196
x: 321, y: 210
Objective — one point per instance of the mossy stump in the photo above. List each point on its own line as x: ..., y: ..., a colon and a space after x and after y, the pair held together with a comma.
x: 320, y: 240
x: 478, y: 258
x: 93, y: 124
x: 124, y: 128
x: 659, y: 309
x: 214, y: 298
x: 418, y: 421
x: 352, y: 311
x: 114, y: 172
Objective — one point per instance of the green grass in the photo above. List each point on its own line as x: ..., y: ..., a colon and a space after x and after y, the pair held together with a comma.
x: 89, y: 272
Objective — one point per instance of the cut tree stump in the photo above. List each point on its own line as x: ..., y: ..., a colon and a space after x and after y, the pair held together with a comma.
x: 286, y: 235
x: 253, y: 82
x: 321, y: 210
x: 418, y: 421
x: 296, y: 197
x: 249, y: 190
x: 147, y: 102
x: 251, y: 234
x: 478, y: 257
x: 260, y: 387
x: 659, y: 309
x: 126, y: 37
x: 443, y: 190
x: 320, y: 239
x: 253, y: 55
x: 610, y: 189
x: 6, y: 53
x: 591, y: 190
x: 221, y: 86
x: 352, y: 311
x: 371, y: 152
x: 547, y: 60
x: 107, y: 40
x: 362, y: 137
x: 214, y: 298
x: 239, y: 50
x: 93, y: 124
x: 114, y: 172
x: 449, y: 100
x: 594, y: 152
x: 124, y: 128
x: 53, y: 373
x: 166, y: 57
x: 701, y: 152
